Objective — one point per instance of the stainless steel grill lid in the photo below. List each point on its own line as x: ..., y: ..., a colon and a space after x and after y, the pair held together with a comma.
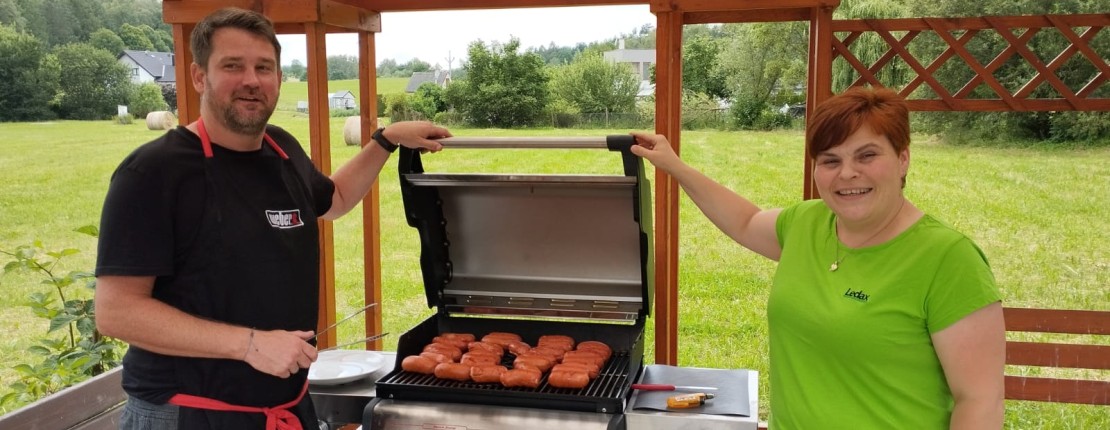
x: 534, y: 246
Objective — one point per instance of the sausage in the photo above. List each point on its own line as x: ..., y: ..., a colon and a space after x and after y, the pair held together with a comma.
x: 418, y: 364
x: 591, y: 369
x: 517, y: 347
x: 568, y: 379
x: 487, y: 373
x: 453, y: 371
x: 437, y: 357
x: 477, y: 359
x: 501, y: 334
x: 585, y: 355
x: 451, y: 352
x: 467, y: 337
x: 593, y: 345
x: 566, y: 343
x: 521, y: 378
x: 535, y: 361
x: 457, y: 343
x: 492, y: 348
x: 555, y: 354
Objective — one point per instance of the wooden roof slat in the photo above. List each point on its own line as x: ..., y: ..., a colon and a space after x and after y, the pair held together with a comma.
x: 340, y: 15
x: 976, y: 23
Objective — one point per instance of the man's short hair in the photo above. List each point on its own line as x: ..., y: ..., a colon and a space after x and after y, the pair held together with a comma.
x: 200, y: 42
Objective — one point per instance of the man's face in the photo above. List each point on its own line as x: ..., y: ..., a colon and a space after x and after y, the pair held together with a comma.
x: 241, y: 83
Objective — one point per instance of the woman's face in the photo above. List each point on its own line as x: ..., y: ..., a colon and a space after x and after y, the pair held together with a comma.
x: 861, y: 179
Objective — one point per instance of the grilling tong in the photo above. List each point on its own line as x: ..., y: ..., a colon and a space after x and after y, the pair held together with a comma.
x: 352, y: 315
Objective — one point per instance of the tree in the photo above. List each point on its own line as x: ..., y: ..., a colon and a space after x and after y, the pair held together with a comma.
x: 11, y: 16
x: 595, y: 85
x: 765, y: 62
x: 107, y: 40
x: 502, y: 87
x: 27, y: 83
x: 295, y: 70
x: 135, y: 38
x: 156, y: 40
x: 429, y: 100
x: 342, y: 67
x: 700, y: 72
x: 95, y: 82
x: 146, y: 98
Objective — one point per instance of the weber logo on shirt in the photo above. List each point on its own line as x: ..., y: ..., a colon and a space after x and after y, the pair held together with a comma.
x: 285, y: 219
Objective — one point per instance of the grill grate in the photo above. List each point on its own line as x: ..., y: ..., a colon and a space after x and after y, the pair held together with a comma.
x: 608, y: 384
x: 606, y: 392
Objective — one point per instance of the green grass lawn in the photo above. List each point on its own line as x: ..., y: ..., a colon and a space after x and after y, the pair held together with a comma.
x: 291, y: 92
x: 1040, y: 214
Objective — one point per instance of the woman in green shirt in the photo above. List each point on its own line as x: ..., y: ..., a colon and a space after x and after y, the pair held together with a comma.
x: 880, y: 316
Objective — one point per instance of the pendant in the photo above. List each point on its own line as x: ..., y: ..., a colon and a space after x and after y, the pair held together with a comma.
x: 833, y: 266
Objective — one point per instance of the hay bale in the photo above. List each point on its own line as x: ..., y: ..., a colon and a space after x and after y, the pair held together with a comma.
x: 160, y: 120
x: 352, y: 131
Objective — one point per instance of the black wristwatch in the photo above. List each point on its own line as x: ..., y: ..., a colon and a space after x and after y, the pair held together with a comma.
x: 383, y: 142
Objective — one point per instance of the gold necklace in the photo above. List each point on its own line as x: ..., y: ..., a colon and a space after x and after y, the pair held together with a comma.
x: 836, y: 263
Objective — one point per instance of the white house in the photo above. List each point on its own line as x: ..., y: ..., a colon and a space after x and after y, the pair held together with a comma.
x: 147, y: 66
x: 341, y: 100
x: 439, y: 77
x: 640, y: 59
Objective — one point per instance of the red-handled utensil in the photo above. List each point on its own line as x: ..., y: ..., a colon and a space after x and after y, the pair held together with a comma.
x: 669, y: 387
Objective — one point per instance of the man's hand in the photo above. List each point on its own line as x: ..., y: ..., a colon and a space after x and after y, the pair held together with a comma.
x: 416, y: 135
x: 280, y: 353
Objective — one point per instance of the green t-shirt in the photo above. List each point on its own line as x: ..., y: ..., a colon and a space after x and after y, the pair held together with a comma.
x: 851, y: 349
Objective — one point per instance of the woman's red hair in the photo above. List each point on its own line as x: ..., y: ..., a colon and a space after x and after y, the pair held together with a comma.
x: 881, y: 109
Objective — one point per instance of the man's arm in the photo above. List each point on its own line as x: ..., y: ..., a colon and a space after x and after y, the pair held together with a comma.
x: 973, y: 354
x: 354, y: 179
x: 126, y: 310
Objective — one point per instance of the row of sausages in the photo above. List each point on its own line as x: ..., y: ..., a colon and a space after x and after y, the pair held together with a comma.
x: 463, y: 357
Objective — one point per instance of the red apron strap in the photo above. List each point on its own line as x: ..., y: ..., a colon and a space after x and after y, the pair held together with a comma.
x: 206, y: 143
x: 277, y: 418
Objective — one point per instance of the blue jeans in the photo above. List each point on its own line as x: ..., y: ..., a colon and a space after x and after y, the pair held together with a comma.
x: 143, y: 415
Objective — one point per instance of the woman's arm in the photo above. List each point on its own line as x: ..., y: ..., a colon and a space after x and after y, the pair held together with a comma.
x: 740, y: 219
x: 973, y: 354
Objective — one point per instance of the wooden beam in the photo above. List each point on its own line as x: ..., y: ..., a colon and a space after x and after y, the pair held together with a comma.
x: 334, y: 13
x: 371, y: 207
x: 344, y: 16
x: 760, y: 15
x: 319, y: 127
x: 668, y: 122
x: 279, y: 11
x: 188, y: 100
x: 435, y: 5
x: 821, y: 40
x: 1057, y: 321
x: 688, y: 6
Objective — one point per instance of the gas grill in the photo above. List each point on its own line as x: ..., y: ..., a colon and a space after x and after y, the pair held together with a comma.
x: 535, y: 255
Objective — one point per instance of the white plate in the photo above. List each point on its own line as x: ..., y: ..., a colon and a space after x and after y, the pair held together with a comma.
x: 343, y: 366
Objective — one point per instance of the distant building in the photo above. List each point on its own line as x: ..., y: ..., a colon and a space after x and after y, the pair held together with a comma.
x: 641, y: 60
x: 341, y: 100
x: 439, y: 77
x: 147, y: 66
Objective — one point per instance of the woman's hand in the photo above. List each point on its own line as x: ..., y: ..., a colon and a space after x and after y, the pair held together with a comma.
x: 656, y: 149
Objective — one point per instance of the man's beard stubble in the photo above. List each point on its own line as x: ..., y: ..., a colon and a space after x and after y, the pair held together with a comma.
x: 241, y: 124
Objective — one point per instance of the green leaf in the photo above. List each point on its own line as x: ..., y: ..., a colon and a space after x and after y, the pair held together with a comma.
x: 90, y: 230
x: 39, y: 350
x: 60, y: 321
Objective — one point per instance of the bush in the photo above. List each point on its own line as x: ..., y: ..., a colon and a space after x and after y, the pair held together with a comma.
x: 146, y: 98
x: 81, y: 351
x: 343, y: 113
x: 125, y: 119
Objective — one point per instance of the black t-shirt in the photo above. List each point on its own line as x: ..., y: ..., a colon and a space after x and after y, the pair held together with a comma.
x: 152, y: 218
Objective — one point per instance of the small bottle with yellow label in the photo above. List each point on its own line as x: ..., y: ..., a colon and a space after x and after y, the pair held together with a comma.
x: 686, y: 401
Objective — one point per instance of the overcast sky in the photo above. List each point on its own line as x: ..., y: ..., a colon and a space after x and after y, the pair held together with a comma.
x: 433, y: 37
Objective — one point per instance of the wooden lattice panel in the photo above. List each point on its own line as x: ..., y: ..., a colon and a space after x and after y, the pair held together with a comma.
x: 979, y: 64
